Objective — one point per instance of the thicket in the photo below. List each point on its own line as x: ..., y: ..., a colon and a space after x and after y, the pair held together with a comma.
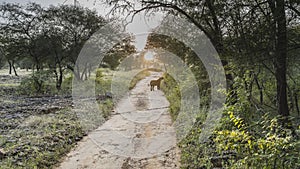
x: 246, y: 137
x: 251, y: 133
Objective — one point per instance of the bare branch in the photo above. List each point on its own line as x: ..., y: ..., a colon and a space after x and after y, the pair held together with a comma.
x: 293, y: 9
x: 181, y: 11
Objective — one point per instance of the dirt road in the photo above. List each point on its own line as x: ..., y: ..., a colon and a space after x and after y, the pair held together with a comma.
x: 138, y: 135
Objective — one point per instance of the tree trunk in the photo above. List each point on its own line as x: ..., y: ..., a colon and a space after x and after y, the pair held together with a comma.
x: 10, y: 67
x: 260, y: 88
x: 14, y: 68
x: 75, y: 71
x: 296, y: 103
x: 280, y: 59
x: 59, y: 75
x: 60, y: 79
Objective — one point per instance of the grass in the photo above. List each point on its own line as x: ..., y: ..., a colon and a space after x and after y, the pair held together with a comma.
x: 106, y: 108
x: 9, y: 85
x: 40, y: 140
x: 172, y: 93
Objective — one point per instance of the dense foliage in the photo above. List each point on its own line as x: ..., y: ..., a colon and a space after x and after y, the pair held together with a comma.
x: 259, y: 129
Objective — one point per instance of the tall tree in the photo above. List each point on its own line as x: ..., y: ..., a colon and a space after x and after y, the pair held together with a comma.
x: 76, y: 24
x: 12, y: 51
x: 215, y: 19
x: 279, y: 17
x: 24, y: 23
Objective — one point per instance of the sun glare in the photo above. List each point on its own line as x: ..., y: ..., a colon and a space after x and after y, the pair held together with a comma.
x: 149, y: 56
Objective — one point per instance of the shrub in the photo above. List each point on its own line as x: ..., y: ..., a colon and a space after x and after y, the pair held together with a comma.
x: 102, y: 83
x: 66, y: 87
x: 40, y: 82
x: 171, y: 89
x: 272, y: 147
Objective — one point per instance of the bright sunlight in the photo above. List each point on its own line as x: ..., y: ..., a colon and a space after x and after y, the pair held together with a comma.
x: 149, y: 56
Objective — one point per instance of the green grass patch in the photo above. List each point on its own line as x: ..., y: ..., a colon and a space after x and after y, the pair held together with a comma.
x: 172, y: 92
x: 106, y: 107
x: 9, y: 84
x: 41, y: 140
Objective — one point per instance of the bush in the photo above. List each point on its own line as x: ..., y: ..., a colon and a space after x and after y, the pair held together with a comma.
x: 40, y: 82
x: 106, y: 107
x: 171, y: 89
x: 102, y: 83
x: 66, y: 86
x: 272, y: 147
x: 246, y: 138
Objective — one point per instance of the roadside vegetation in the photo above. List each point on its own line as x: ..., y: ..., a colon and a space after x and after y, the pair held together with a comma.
x: 171, y: 89
x: 247, y: 137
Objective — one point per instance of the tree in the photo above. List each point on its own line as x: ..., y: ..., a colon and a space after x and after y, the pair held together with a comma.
x: 215, y: 19
x: 24, y: 23
x: 119, y: 52
x: 11, y: 50
x: 77, y: 25
x: 279, y: 17
x: 57, y: 58
x: 52, y: 37
x: 2, y: 58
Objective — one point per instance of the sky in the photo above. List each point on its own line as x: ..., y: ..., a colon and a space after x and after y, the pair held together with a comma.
x: 140, y: 26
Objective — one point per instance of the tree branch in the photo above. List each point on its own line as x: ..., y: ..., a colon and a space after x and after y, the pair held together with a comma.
x: 293, y: 9
x: 181, y: 11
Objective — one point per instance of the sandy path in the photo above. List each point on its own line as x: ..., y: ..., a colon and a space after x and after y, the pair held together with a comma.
x: 138, y: 135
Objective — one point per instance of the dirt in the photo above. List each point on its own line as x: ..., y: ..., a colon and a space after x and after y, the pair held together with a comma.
x: 33, y: 127
x: 139, y: 134
x: 14, y: 109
